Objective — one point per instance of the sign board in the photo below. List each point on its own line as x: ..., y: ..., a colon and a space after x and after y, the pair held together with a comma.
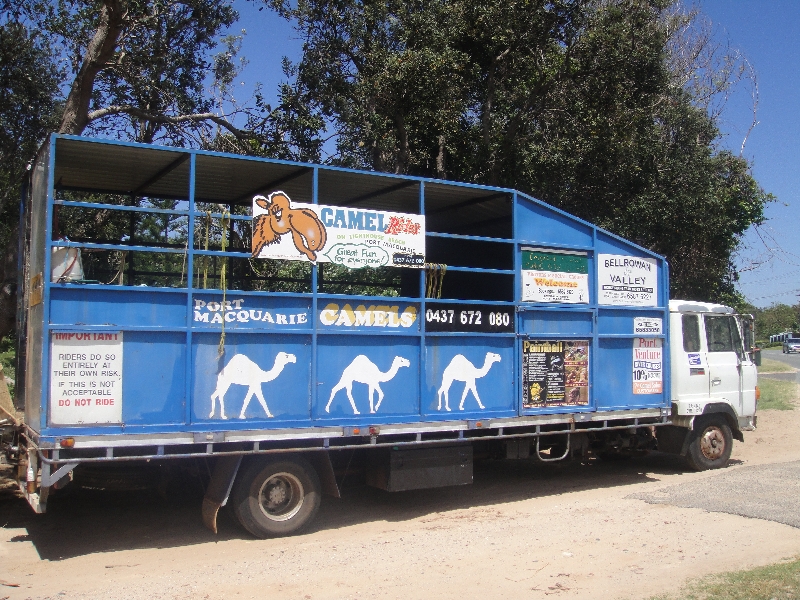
x: 627, y: 280
x: 555, y: 373
x: 647, y: 366
x: 350, y: 237
x: 551, y: 276
x: 645, y: 325
x: 85, y: 378
x: 467, y: 318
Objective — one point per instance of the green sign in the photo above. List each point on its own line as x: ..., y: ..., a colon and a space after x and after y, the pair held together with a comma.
x: 534, y: 260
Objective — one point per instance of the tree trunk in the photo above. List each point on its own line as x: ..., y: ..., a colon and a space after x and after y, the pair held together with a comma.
x: 8, y: 284
x: 98, y: 53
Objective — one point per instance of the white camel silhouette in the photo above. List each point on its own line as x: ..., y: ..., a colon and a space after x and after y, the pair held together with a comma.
x: 363, y: 370
x: 243, y: 371
x: 460, y: 369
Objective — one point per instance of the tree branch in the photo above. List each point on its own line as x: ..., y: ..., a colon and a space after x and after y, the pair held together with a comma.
x: 133, y: 111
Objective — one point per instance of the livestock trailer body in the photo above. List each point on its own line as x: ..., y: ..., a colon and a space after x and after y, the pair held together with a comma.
x: 415, y: 310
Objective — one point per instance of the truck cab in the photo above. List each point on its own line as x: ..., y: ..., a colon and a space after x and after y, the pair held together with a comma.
x: 714, y: 377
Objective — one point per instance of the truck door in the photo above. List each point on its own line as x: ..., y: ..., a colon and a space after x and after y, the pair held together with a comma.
x: 691, y: 367
x: 725, y: 353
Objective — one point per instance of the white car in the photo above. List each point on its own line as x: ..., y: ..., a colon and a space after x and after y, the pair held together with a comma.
x: 791, y: 345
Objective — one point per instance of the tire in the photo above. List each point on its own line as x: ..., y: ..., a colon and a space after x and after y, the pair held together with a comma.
x: 276, y: 497
x: 710, y: 446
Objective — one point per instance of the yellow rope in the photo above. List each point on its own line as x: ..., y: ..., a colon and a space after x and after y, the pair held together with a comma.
x: 205, y: 256
x: 434, y: 278
x: 226, y: 216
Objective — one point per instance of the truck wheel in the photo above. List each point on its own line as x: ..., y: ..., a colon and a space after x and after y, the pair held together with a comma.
x: 276, y: 497
x: 711, y: 445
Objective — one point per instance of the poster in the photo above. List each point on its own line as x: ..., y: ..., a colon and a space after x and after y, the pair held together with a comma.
x: 549, y: 276
x: 627, y: 280
x: 86, y: 378
x: 352, y: 237
x: 555, y: 373
x: 647, y: 366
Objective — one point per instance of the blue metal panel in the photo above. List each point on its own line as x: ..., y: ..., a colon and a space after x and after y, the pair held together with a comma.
x: 557, y: 322
x: 620, y: 321
x: 269, y: 372
x: 613, y: 385
x: 116, y: 306
x: 154, y: 381
x: 467, y: 372
x: 541, y: 224
x: 385, y: 368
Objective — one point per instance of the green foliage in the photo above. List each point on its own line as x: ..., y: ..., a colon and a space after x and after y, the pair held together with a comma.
x: 775, y: 319
x: 28, y: 108
x: 777, y: 394
x: 574, y: 102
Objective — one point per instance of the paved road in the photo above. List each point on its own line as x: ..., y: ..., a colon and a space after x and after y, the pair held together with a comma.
x: 772, y: 490
x: 793, y: 360
x: 772, y: 493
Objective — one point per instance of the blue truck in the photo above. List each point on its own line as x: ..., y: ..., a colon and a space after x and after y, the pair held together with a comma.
x: 281, y: 322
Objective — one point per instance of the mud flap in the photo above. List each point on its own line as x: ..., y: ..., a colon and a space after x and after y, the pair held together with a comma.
x: 321, y: 461
x: 219, y: 488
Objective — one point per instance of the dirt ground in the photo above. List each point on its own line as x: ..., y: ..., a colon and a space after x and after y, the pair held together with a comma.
x: 523, y: 530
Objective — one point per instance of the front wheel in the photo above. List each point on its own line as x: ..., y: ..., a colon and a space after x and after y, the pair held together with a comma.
x: 276, y: 497
x: 711, y: 445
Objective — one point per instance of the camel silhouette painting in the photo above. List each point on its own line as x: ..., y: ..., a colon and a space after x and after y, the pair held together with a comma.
x: 363, y: 370
x: 460, y: 369
x: 240, y: 370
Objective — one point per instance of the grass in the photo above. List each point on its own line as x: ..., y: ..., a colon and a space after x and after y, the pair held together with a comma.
x: 779, y: 581
x: 777, y: 394
x: 769, y: 365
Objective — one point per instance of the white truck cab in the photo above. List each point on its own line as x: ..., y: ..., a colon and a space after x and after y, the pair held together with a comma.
x: 714, y: 377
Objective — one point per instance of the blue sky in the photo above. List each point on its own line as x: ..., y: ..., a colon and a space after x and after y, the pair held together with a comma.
x: 767, y: 33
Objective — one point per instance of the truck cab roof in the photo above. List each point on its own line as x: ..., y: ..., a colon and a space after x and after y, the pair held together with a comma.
x: 692, y: 306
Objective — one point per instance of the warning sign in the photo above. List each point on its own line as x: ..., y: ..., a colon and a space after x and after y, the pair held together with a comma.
x: 85, y: 378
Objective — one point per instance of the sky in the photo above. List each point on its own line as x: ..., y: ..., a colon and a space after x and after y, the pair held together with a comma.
x: 766, y: 33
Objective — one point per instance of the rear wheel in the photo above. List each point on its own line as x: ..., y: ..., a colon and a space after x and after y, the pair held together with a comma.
x: 711, y: 445
x: 276, y: 497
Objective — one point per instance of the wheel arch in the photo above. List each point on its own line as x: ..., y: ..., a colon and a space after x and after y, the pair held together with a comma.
x: 721, y: 409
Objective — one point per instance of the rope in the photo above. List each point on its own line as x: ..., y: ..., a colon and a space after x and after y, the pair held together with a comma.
x: 434, y: 278
x: 226, y: 216
x: 205, y: 256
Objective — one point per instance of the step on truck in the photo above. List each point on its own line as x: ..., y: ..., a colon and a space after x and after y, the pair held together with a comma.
x: 280, y: 323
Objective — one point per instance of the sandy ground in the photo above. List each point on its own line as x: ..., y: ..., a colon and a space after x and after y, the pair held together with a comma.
x: 523, y: 530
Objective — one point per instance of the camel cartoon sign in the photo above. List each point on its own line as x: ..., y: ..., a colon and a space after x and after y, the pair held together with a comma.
x: 351, y: 237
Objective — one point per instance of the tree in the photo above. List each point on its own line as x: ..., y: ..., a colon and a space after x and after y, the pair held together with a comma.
x: 28, y: 109
x: 578, y: 102
x: 151, y: 71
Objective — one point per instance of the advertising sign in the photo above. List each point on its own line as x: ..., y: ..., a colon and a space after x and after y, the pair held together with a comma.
x: 466, y: 318
x: 85, y: 378
x: 627, y: 280
x: 549, y: 276
x: 351, y: 237
x: 647, y: 366
x: 555, y: 373
x: 645, y: 325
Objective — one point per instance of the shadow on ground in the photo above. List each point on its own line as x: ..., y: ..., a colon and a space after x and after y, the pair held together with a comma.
x: 91, y: 521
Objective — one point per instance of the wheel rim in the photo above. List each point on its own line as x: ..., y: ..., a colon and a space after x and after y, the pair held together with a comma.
x: 281, y: 497
x: 712, y: 444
